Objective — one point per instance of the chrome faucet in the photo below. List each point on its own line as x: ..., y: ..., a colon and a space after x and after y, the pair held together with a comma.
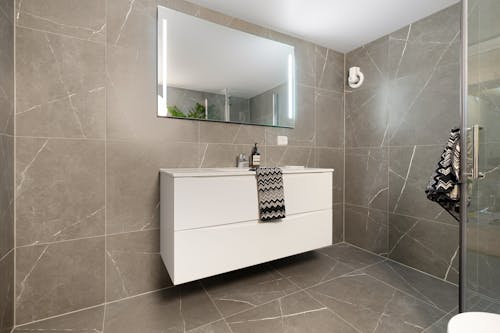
x: 242, y: 161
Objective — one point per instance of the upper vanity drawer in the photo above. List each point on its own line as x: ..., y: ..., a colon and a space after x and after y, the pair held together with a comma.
x: 209, y: 201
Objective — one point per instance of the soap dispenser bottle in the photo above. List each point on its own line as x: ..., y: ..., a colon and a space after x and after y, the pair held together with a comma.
x: 255, y: 158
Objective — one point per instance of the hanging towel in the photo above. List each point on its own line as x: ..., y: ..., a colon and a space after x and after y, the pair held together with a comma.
x: 270, y: 191
x: 444, y: 186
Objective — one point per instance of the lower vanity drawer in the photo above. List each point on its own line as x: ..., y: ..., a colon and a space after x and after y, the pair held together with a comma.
x: 210, y: 251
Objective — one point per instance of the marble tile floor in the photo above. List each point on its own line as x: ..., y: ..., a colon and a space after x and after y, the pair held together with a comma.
x: 337, y: 289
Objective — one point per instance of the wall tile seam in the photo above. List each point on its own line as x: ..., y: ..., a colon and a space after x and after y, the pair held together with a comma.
x: 336, y: 148
x: 9, y: 252
x: 429, y: 72
x: 344, y: 143
x: 147, y: 140
x: 402, y: 264
x: 423, y: 219
x: 315, y: 87
x: 131, y: 141
x: 367, y: 207
x: 14, y: 156
x: 431, y: 145
x: 59, y: 34
x: 7, y: 16
x: 403, y: 215
x: 115, y: 234
x: 60, y: 138
x: 8, y: 135
x: 106, y: 44
x: 106, y: 116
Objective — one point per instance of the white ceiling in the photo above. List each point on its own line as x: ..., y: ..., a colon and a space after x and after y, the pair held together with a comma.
x: 342, y: 25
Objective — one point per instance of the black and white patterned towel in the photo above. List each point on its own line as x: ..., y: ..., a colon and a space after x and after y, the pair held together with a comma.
x: 271, y: 195
x: 444, y: 186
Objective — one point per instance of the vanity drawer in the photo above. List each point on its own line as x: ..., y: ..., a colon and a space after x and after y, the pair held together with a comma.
x: 209, y: 251
x: 200, y: 202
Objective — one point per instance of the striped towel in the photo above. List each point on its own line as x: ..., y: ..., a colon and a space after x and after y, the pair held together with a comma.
x: 271, y: 197
x: 444, y: 186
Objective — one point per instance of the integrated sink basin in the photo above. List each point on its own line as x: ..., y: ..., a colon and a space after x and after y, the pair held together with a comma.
x: 207, y: 172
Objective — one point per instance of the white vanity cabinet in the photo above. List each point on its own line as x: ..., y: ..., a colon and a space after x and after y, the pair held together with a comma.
x: 210, y: 224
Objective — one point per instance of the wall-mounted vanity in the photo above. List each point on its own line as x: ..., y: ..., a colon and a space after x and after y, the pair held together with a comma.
x: 210, y: 224
x: 208, y: 71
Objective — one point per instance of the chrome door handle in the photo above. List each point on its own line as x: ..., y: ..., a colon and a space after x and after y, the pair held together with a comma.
x: 475, y: 174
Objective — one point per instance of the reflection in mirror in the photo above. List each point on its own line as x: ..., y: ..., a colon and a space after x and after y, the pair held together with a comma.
x: 211, y: 72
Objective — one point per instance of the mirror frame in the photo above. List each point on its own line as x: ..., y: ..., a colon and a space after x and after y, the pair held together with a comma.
x: 161, y: 53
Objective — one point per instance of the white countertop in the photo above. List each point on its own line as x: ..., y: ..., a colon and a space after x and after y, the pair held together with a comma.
x: 214, y: 172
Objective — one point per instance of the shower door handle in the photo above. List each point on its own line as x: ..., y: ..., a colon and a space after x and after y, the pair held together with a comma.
x: 475, y: 174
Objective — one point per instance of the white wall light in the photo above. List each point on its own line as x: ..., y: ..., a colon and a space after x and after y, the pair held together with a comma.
x: 291, y: 80
x: 162, y: 72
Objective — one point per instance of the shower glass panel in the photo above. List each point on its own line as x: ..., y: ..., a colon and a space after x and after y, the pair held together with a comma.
x: 480, y: 283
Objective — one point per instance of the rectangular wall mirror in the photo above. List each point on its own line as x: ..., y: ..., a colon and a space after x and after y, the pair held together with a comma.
x: 211, y: 72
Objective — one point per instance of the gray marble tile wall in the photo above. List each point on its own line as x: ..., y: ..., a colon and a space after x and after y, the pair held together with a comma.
x: 89, y: 146
x: 396, y: 126
x: 6, y: 165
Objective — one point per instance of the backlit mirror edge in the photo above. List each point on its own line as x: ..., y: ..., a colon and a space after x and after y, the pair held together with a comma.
x: 161, y: 51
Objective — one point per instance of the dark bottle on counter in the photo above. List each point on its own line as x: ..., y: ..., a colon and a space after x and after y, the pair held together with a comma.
x: 255, y: 158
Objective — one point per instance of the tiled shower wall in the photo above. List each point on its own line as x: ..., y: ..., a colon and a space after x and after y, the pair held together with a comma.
x: 89, y: 146
x: 6, y: 165
x: 396, y: 126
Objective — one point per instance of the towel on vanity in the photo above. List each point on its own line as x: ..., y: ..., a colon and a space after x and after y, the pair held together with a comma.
x: 444, y: 186
x: 271, y: 195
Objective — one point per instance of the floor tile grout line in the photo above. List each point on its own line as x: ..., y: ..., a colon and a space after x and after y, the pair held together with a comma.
x: 265, y: 303
x: 216, y: 307
x: 143, y: 294
x: 360, y: 270
x: 103, y: 304
x: 365, y: 273
x: 486, y: 298
x: 309, y: 294
x: 434, y: 323
x: 300, y: 289
x: 405, y: 292
x: 205, y: 325
x: 333, y: 312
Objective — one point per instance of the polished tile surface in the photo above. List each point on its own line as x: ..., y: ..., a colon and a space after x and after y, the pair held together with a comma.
x: 337, y: 289
x: 59, y: 277
x: 90, y: 144
x: 397, y: 123
x: 128, y: 257
x: 59, y: 190
x: 7, y: 163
